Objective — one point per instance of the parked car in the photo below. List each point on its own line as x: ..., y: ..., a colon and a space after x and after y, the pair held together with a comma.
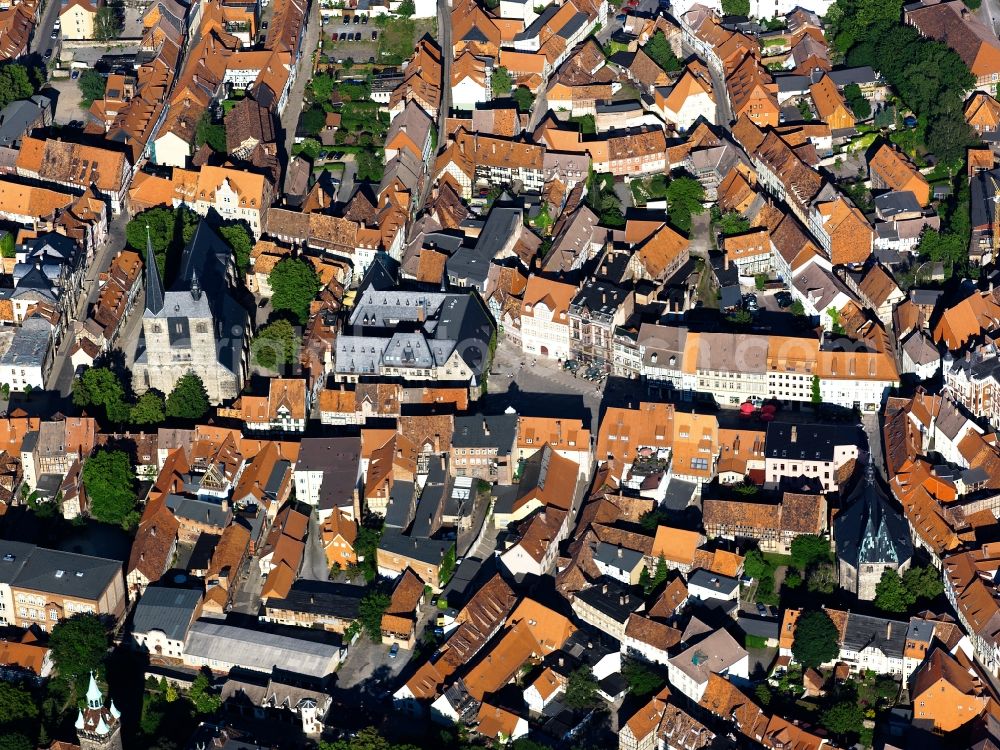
x: 364, y: 19
x: 75, y: 74
x: 374, y: 35
x: 784, y: 299
x: 357, y: 20
x: 48, y: 53
x: 55, y: 33
x: 394, y: 651
x: 762, y: 610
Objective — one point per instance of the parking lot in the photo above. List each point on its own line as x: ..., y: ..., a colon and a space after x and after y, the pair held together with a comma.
x: 357, y: 41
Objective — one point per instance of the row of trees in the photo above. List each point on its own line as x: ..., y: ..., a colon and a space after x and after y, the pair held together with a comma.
x: 170, y: 229
x: 928, y: 76
x: 103, y: 389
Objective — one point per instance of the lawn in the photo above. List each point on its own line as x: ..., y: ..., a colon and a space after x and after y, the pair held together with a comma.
x: 398, y: 38
x: 775, y: 559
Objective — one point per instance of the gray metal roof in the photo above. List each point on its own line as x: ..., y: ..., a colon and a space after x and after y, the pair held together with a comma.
x: 13, y: 556
x: 863, y: 631
x: 485, y: 431
x: 166, y: 609
x: 260, y: 650
x: 30, y: 345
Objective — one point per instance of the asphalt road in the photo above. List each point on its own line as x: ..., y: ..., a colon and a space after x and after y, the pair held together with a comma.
x: 42, y: 38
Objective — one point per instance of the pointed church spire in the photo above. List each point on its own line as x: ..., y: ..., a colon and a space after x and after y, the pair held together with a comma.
x: 94, y: 697
x: 154, y: 284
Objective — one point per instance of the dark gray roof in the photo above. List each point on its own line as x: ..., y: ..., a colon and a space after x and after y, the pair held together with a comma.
x: 13, y: 556
x: 154, y: 284
x: 485, y: 431
x: 896, y: 202
x: 166, y: 609
x: 339, y: 459
x: 470, y: 265
x: 611, y: 598
x: 805, y: 442
x: 430, y: 551
x: 399, y: 511
x: 339, y: 600
x: 870, y: 531
x: 17, y: 116
x: 792, y: 83
x: 208, y: 512
x: 428, y: 513
x: 713, y: 581
x: 846, y: 76
x: 758, y: 626
x: 66, y: 573
x: 863, y: 631
x: 618, y: 557
x: 262, y: 650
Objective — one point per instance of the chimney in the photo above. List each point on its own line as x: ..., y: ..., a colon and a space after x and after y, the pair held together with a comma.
x: 562, y: 661
x: 604, y: 589
x: 619, y: 552
x: 725, y: 261
x: 621, y: 600
x: 888, y: 630
x: 795, y: 433
x: 486, y: 427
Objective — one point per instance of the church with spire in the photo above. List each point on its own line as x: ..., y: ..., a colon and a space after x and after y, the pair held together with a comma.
x: 98, y: 727
x: 872, y: 536
x: 197, y: 324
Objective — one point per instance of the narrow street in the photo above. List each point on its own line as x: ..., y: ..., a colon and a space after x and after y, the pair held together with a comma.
x: 444, y: 39
x: 290, y: 117
x: 42, y: 39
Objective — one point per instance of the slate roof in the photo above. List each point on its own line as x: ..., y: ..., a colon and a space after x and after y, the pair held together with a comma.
x: 869, y: 531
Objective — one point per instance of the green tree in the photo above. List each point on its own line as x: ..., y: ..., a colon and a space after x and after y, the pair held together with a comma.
x: 732, y: 222
x: 16, y: 704
x: 6, y: 244
x: 808, y: 549
x: 211, y: 133
x: 109, y: 479
x: 107, y: 22
x: 923, y: 582
x: 169, y: 231
x: 92, y: 85
x: 15, y: 83
x: 294, y: 284
x: 322, y: 87
x: 736, y: 7
x: 860, y: 106
x: 406, y: 9
x: 78, y: 645
x: 15, y: 741
x: 844, y: 718
x: 188, y: 399
x: 581, y: 689
x: 206, y: 702
x: 524, y: 98
x: 500, y: 82
x: 312, y: 120
x: 816, y: 639
x: 685, y: 196
x: 238, y: 237
x: 370, y: 166
x: 370, y: 611
x: 642, y: 680
x: 275, y: 344
x: 149, y: 409
x: 822, y: 579
x: 100, y: 387
x: 797, y: 308
x: 660, y: 51
x: 763, y: 694
x: 755, y: 566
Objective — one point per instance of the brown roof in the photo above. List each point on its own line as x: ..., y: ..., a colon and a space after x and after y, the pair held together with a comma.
x: 654, y: 633
x: 248, y: 121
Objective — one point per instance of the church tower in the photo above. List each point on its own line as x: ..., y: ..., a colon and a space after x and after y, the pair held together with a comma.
x: 97, y: 727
